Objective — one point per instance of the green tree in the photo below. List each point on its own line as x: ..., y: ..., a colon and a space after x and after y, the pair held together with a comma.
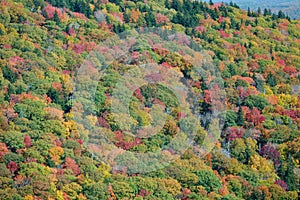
x: 95, y: 191
x: 150, y: 19
x: 259, y: 10
x: 243, y: 149
x: 271, y: 80
x: 249, y: 13
x: 176, y: 5
x: 255, y: 101
x: 290, y: 174
x: 13, y: 139
x: 208, y: 180
x: 56, y: 17
x: 230, y: 118
x: 240, y: 121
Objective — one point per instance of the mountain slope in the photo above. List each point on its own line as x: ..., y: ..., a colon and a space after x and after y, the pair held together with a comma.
x: 44, y: 151
x: 290, y: 7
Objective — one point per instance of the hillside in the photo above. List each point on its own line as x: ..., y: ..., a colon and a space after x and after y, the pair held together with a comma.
x: 84, y: 116
x: 290, y: 7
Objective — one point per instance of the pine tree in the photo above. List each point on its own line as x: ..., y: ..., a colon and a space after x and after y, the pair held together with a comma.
x: 249, y: 12
x: 126, y: 17
x: 258, y: 82
x: 240, y: 119
x: 269, y: 12
x: 141, y: 21
x: 150, y: 19
x: 290, y: 175
x: 274, y: 16
x: 271, y: 80
x: 232, y: 23
x: 167, y: 4
x: 116, y: 28
x: 281, y: 14
x: 87, y: 10
x: 256, y: 21
x: 52, y: 2
x: 266, y: 12
x: 259, y: 11
x: 281, y: 170
x: 223, y: 25
x: 117, y: 2
x: 271, y: 53
x: 176, y: 5
x: 56, y: 17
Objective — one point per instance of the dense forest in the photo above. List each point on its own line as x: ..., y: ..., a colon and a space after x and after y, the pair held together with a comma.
x: 44, y: 152
x: 290, y: 7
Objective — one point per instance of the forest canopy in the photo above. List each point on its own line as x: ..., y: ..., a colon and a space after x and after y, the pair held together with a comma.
x: 44, y: 151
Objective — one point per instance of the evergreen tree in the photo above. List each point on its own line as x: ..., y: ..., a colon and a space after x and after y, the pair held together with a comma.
x: 56, y: 17
x: 269, y: 12
x: 167, y: 4
x: 259, y: 11
x: 61, y: 4
x: 214, y: 14
x: 266, y: 12
x: 274, y: 16
x: 86, y: 10
x: 281, y: 14
x: 249, y: 12
x: 281, y: 170
x: 247, y: 22
x: 232, y: 23
x: 258, y: 82
x: 52, y: 2
x: 150, y: 19
x: 223, y: 25
x: 240, y: 117
x: 271, y: 53
x: 141, y: 21
x: 176, y: 5
x: 256, y: 21
x: 238, y: 26
x: 117, y: 2
x: 187, y: 6
x: 290, y: 175
x: 126, y: 17
x: 271, y: 80
x: 116, y: 28
x: 178, y: 18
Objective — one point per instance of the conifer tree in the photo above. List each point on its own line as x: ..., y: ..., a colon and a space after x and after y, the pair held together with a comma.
x: 290, y: 175
x: 240, y: 117
x: 150, y: 19
x: 167, y: 4
x: 266, y: 12
x: 249, y: 12
x: 56, y: 17
x: 259, y: 11
x: 126, y: 17
x: 271, y: 80
x: 176, y: 5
